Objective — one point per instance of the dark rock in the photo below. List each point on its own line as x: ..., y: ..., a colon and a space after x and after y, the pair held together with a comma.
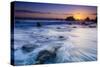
x: 58, y: 28
x: 61, y: 36
x: 47, y: 38
x: 38, y: 24
x: 28, y: 48
x: 45, y: 56
x: 74, y: 27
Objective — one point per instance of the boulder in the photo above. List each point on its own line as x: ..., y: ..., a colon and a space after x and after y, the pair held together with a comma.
x: 58, y: 28
x: 61, y: 36
x: 28, y: 48
x: 45, y: 56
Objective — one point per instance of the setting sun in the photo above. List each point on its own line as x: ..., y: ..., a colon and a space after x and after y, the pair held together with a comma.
x: 79, y: 16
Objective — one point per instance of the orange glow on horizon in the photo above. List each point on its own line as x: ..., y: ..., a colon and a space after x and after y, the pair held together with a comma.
x: 79, y: 16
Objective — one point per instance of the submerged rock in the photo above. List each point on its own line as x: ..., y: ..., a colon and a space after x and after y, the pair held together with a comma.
x: 47, y: 56
x: 61, y: 36
x: 74, y: 27
x: 58, y: 28
x: 38, y: 24
x: 28, y: 48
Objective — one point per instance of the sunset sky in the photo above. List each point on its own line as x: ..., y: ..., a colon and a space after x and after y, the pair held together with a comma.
x: 44, y: 10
